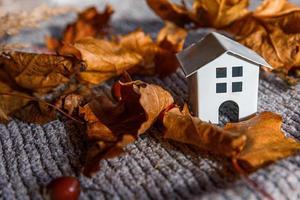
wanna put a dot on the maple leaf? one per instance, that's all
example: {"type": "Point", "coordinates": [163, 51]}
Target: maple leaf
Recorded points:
{"type": "Point", "coordinates": [112, 125]}
{"type": "Point", "coordinates": [274, 36]}
{"type": "Point", "coordinates": [37, 72]}
{"type": "Point", "coordinates": [253, 143]}
{"type": "Point", "coordinates": [220, 13]}
{"type": "Point", "coordinates": [89, 23]}
{"type": "Point", "coordinates": [9, 104]}
{"type": "Point", "coordinates": [135, 52]}
{"type": "Point", "coordinates": [178, 14]}
{"type": "Point", "coordinates": [182, 127]}
{"type": "Point", "coordinates": [212, 13]}
{"type": "Point", "coordinates": [265, 143]}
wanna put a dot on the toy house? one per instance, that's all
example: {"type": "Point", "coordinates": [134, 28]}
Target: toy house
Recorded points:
{"type": "Point", "coordinates": [222, 74]}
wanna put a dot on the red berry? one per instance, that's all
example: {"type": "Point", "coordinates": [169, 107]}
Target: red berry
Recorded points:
{"type": "Point", "coordinates": [116, 91]}
{"type": "Point", "coordinates": [64, 188]}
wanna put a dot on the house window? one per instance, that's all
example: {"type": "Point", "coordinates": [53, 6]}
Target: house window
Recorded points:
{"type": "Point", "coordinates": [237, 86]}
{"type": "Point", "coordinates": [237, 71]}
{"type": "Point", "coordinates": [221, 87]}
{"type": "Point", "coordinates": [221, 72]}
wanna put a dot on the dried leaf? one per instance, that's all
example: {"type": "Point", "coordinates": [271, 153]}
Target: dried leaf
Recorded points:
{"type": "Point", "coordinates": [37, 72]}
{"type": "Point", "coordinates": [112, 125]}
{"type": "Point", "coordinates": [276, 37]}
{"type": "Point", "coordinates": [220, 13]}
{"type": "Point", "coordinates": [89, 23]}
{"type": "Point", "coordinates": [35, 112]}
{"type": "Point", "coordinates": [170, 40]}
{"type": "Point", "coordinates": [178, 14]}
{"type": "Point", "coordinates": [182, 127]}
{"type": "Point", "coordinates": [213, 13]}
{"type": "Point", "coordinates": [266, 142]}
{"type": "Point", "coordinates": [10, 104]}
{"type": "Point", "coordinates": [136, 53]}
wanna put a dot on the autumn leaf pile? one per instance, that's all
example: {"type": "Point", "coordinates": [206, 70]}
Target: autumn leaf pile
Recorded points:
{"type": "Point", "coordinates": [272, 30]}
{"type": "Point", "coordinates": [36, 87]}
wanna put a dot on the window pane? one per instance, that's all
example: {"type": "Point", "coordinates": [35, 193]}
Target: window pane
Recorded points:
{"type": "Point", "coordinates": [237, 86]}
{"type": "Point", "coordinates": [221, 88]}
{"type": "Point", "coordinates": [237, 71]}
{"type": "Point", "coordinates": [221, 72]}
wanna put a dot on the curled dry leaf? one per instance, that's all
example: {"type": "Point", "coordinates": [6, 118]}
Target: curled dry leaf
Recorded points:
{"type": "Point", "coordinates": [89, 23]}
{"type": "Point", "coordinates": [178, 14]}
{"type": "Point", "coordinates": [170, 40]}
{"type": "Point", "coordinates": [37, 72]}
{"type": "Point", "coordinates": [265, 143]}
{"type": "Point", "coordinates": [220, 13]}
{"type": "Point", "coordinates": [253, 143]}
{"type": "Point", "coordinates": [182, 127]}
{"type": "Point", "coordinates": [111, 125]}
{"type": "Point", "coordinates": [136, 53]}
{"type": "Point", "coordinates": [276, 37]}
{"type": "Point", "coordinates": [9, 104]}
{"type": "Point", "coordinates": [213, 13]}
{"type": "Point", "coordinates": [272, 30]}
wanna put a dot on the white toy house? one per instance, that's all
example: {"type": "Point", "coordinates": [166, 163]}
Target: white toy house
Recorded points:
{"type": "Point", "coordinates": [221, 73]}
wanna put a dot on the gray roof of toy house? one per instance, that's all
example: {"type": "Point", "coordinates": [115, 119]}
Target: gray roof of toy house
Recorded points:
{"type": "Point", "coordinates": [212, 46]}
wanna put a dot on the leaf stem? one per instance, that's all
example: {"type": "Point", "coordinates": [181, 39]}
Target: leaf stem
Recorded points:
{"type": "Point", "coordinates": [42, 101]}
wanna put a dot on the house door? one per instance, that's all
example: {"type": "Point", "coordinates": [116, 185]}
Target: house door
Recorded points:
{"type": "Point", "coordinates": [228, 112]}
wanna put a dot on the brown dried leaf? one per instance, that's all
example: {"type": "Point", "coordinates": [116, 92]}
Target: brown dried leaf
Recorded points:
{"type": "Point", "coordinates": [213, 13]}
{"type": "Point", "coordinates": [266, 142]}
{"type": "Point", "coordinates": [89, 23]}
{"type": "Point", "coordinates": [9, 104]}
{"type": "Point", "coordinates": [182, 127]}
{"type": "Point", "coordinates": [178, 14]}
{"type": "Point", "coordinates": [111, 126]}
{"type": "Point", "coordinates": [220, 13]}
{"type": "Point", "coordinates": [274, 35]}
{"type": "Point", "coordinates": [35, 112]}
{"type": "Point", "coordinates": [37, 72]}
{"type": "Point", "coordinates": [170, 40]}
{"type": "Point", "coordinates": [136, 53]}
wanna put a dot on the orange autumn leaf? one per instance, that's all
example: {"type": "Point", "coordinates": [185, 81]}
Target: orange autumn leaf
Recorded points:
{"type": "Point", "coordinates": [178, 14]}
{"type": "Point", "coordinates": [253, 143]}
{"type": "Point", "coordinates": [213, 13]}
{"type": "Point", "coordinates": [274, 36]}
{"type": "Point", "coordinates": [135, 52]}
{"type": "Point", "coordinates": [182, 127]}
{"type": "Point", "coordinates": [110, 125]}
{"type": "Point", "coordinates": [265, 142]}
{"type": "Point", "coordinates": [89, 23]}
{"type": "Point", "coordinates": [220, 13]}
{"type": "Point", "coordinates": [170, 40]}
{"type": "Point", "coordinates": [10, 104]}
{"type": "Point", "coordinates": [37, 72]}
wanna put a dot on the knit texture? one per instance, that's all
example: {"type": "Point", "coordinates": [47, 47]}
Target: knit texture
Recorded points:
{"type": "Point", "coordinates": [31, 155]}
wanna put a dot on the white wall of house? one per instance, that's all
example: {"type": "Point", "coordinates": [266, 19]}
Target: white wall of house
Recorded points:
{"type": "Point", "coordinates": [209, 101]}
